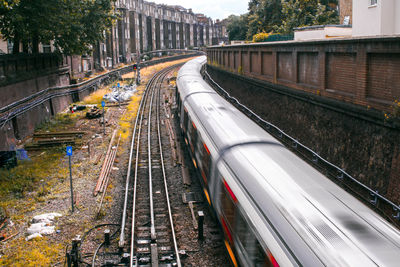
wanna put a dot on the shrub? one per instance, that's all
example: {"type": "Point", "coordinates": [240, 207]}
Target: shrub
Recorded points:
{"type": "Point", "coordinates": [260, 37]}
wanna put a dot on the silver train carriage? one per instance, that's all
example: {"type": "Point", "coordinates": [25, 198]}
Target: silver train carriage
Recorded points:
{"type": "Point", "coordinates": [274, 208]}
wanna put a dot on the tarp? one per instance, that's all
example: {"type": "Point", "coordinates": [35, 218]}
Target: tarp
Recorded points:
{"type": "Point", "coordinates": [120, 93]}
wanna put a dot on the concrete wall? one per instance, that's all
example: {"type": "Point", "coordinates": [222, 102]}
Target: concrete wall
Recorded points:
{"type": "Point", "coordinates": [360, 71]}
{"type": "Point", "coordinates": [323, 32]}
{"type": "Point", "coordinates": [397, 17]}
{"type": "Point", "coordinates": [24, 75]}
{"type": "Point", "coordinates": [19, 121]}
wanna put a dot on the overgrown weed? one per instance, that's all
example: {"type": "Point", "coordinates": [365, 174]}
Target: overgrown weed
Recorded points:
{"type": "Point", "coordinates": [38, 252]}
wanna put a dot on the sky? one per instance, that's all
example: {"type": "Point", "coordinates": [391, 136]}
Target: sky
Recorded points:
{"type": "Point", "coordinates": [216, 9]}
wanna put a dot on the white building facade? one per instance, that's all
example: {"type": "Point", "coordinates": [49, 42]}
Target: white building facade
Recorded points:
{"type": "Point", "coordinates": [376, 17]}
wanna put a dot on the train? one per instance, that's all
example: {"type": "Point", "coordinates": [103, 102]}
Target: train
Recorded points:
{"type": "Point", "coordinates": [274, 208]}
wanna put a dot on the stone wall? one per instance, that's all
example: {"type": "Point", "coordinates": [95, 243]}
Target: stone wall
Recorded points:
{"type": "Point", "coordinates": [355, 139]}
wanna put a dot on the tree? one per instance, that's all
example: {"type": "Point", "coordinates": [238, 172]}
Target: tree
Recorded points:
{"type": "Point", "coordinates": [237, 27]}
{"type": "Point", "coordinates": [300, 13]}
{"type": "Point", "coordinates": [82, 25]}
{"type": "Point", "coordinates": [73, 25]}
{"type": "Point", "coordinates": [263, 16]}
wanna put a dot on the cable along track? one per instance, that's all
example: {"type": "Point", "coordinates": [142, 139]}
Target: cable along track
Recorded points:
{"type": "Point", "coordinates": [147, 230]}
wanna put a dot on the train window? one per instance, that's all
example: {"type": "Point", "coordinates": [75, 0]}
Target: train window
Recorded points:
{"type": "Point", "coordinates": [178, 100]}
{"type": "Point", "coordinates": [253, 252]}
{"type": "Point", "coordinates": [185, 119]}
{"type": "Point", "coordinates": [192, 134]}
{"type": "Point", "coordinates": [228, 206]}
{"type": "Point", "coordinates": [205, 160]}
{"type": "Point", "coordinates": [203, 157]}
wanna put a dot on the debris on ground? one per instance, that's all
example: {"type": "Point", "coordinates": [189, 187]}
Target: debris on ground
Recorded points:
{"type": "Point", "coordinates": [120, 93]}
{"type": "Point", "coordinates": [7, 227]}
{"type": "Point", "coordinates": [47, 139]}
{"type": "Point", "coordinates": [74, 108]}
{"type": "Point", "coordinates": [42, 225]}
{"type": "Point", "coordinates": [22, 154]}
{"type": "Point", "coordinates": [93, 113]}
{"type": "Point", "coordinates": [43, 183]}
{"type": "Point", "coordinates": [46, 217]}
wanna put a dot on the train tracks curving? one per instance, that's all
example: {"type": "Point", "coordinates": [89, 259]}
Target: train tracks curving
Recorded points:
{"type": "Point", "coordinates": [147, 229]}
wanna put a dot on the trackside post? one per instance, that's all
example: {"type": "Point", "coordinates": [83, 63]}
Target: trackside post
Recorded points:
{"type": "Point", "coordinates": [69, 154]}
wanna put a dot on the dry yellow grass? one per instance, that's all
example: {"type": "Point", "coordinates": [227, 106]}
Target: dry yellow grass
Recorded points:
{"type": "Point", "coordinates": [153, 69]}
{"type": "Point", "coordinates": [126, 122]}
{"type": "Point", "coordinates": [44, 177]}
{"type": "Point", "coordinates": [97, 96]}
{"type": "Point", "coordinates": [41, 252]}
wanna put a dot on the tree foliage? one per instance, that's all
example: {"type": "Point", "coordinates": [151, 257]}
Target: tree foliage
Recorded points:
{"type": "Point", "coordinates": [282, 16]}
{"type": "Point", "coordinates": [237, 27]}
{"type": "Point", "coordinates": [73, 25]}
{"type": "Point", "coordinates": [300, 13]}
{"type": "Point", "coordinates": [263, 16]}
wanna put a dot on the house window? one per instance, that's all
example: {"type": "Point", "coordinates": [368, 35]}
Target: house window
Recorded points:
{"type": "Point", "coordinates": [373, 2]}
{"type": "Point", "coordinates": [46, 48]}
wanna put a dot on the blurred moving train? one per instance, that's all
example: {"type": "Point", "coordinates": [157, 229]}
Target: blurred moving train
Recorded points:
{"type": "Point", "coordinates": [274, 208]}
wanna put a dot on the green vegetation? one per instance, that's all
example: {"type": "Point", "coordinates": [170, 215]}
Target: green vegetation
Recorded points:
{"type": "Point", "coordinates": [73, 26]}
{"type": "Point", "coordinates": [41, 252]}
{"type": "Point", "coordinates": [396, 109]}
{"type": "Point", "coordinates": [43, 170]}
{"type": "Point", "coordinates": [237, 27]}
{"type": "Point", "coordinates": [302, 13]}
{"type": "Point", "coordinates": [280, 16]}
{"type": "Point", "coordinates": [27, 175]}
{"type": "Point", "coordinates": [260, 37]}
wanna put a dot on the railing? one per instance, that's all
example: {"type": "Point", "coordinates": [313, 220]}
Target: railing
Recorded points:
{"type": "Point", "coordinates": [378, 202]}
{"type": "Point", "coordinates": [279, 37]}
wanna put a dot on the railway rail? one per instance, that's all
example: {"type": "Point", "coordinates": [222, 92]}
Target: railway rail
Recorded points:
{"type": "Point", "coordinates": [147, 229]}
{"type": "Point", "coordinates": [158, 219]}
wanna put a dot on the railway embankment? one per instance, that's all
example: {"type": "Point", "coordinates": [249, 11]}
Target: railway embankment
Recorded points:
{"type": "Point", "coordinates": [40, 184]}
{"type": "Point", "coordinates": [30, 98]}
{"type": "Point", "coordinates": [360, 140]}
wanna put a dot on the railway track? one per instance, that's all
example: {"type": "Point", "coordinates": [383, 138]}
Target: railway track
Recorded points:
{"type": "Point", "coordinates": [147, 235]}
{"type": "Point", "coordinates": [147, 230]}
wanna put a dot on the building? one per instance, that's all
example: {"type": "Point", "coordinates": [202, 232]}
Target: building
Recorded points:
{"type": "Point", "coordinates": [220, 34]}
{"type": "Point", "coordinates": [146, 26]}
{"type": "Point", "coordinates": [358, 18]}
{"type": "Point", "coordinates": [345, 12]}
{"type": "Point", "coordinates": [376, 17]}
{"type": "Point", "coordinates": [142, 27]}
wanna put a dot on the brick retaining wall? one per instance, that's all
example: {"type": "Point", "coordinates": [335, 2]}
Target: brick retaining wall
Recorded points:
{"type": "Point", "coordinates": [363, 71]}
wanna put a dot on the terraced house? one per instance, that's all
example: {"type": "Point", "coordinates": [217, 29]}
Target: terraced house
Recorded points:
{"type": "Point", "coordinates": [146, 26]}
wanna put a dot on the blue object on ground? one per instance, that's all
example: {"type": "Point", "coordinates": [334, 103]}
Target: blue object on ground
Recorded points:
{"type": "Point", "coordinates": [22, 154]}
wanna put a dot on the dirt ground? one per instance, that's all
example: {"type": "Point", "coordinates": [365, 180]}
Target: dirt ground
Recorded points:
{"type": "Point", "coordinates": [41, 184]}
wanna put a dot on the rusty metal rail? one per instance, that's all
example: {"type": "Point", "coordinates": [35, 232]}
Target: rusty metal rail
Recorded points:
{"type": "Point", "coordinates": [152, 91]}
